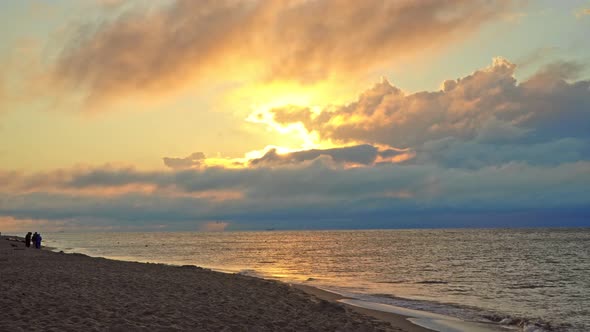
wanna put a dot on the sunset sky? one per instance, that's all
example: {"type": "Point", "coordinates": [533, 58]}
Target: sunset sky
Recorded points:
{"type": "Point", "coordinates": [296, 114]}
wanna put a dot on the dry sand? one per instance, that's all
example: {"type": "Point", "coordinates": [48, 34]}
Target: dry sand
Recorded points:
{"type": "Point", "coordinates": [45, 291]}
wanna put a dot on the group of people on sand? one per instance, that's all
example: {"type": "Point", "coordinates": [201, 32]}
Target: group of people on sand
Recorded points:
{"type": "Point", "coordinates": [35, 238]}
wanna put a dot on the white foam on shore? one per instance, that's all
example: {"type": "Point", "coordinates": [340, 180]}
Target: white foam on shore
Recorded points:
{"type": "Point", "coordinates": [429, 320]}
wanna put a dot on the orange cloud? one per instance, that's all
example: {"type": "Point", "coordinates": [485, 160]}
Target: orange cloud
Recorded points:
{"type": "Point", "coordinates": [13, 225]}
{"type": "Point", "coordinates": [65, 182]}
{"type": "Point", "coordinates": [401, 194]}
{"type": "Point", "coordinates": [212, 195]}
{"type": "Point", "coordinates": [164, 48]}
{"type": "Point", "coordinates": [103, 191]}
{"type": "Point", "coordinates": [3, 93]}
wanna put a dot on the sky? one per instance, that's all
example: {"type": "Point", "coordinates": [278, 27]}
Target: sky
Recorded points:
{"type": "Point", "coordinates": [298, 114]}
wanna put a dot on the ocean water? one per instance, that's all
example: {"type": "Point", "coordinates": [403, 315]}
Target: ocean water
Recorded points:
{"type": "Point", "coordinates": [524, 279]}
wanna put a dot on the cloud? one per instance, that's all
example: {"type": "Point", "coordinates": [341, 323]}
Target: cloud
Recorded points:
{"type": "Point", "coordinates": [16, 225]}
{"type": "Point", "coordinates": [487, 107]}
{"type": "Point", "coordinates": [3, 93]}
{"type": "Point", "coordinates": [476, 154]}
{"type": "Point", "coordinates": [559, 70]}
{"type": "Point", "coordinates": [110, 3]}
{"type": "Point", "coordinates": [309, 194]}
{"type": "Point", "coordinates": [10, 224]}
{"type": "Point", "coordinates": [484, 146]}
{"type": "Point", "coordinates": [537, 56]}
{"type": "Point", "coordinates": [157, 48]}
{"type": "Point", "coordinates": [354, 155]}
{"type": "Point", "coordinates": [582, 12]}
{"type": "Point", "coordinates": [194, 160]}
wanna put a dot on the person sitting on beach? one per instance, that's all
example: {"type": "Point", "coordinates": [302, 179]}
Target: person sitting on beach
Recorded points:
{"type": "Point", "coordinates": [38, 241]}
{"type": "Point", "coordinates": [28, 239]}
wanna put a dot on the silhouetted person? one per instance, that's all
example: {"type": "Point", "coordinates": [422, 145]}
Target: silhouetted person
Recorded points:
{"type": "Point", "coordinates": [28, 239]}
{"type": "Point", "coordinates": [35, 239]}
{"type": "Point", "coordinates": [38, 241]}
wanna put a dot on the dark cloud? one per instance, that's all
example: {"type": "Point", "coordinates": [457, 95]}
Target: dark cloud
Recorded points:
{"type": "Point", "coordinates": [313, 191]}
{"type": "Point", "coordinates": [475, 154]}
{"type": "Point", "coordinates": [194, 160]}
{"type": "Point", "coordinates": [359, 154]}
{"type": "Point", "coordinates": [158, 48]}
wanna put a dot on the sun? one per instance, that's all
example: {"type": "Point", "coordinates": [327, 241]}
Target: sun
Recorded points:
{"type": "Point", "coordinates": [264, 98]}
{"type": "Point", "coordinates": [254, 101]}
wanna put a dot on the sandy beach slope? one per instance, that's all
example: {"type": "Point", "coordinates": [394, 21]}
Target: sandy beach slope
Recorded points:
{"type": "Point", "coordinates": [46, 291]}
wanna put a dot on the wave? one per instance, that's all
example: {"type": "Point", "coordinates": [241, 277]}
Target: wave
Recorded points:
{"type": "Point", "coordinates": [250, 273]}
{"type": "Point", "coordinates": [531, 286]}
{"type": "Point", "coordinates": [527, 324]}
{"type": "Point", "coordinates": [468, 313]}
{"type": "Point", "coordinates": [392, 282]}
{"type": "Point", "coordinates": [433, 282]}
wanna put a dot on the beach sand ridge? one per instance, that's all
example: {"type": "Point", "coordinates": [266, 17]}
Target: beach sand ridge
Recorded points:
{"type": "Point", "coordinates": [47, 291]}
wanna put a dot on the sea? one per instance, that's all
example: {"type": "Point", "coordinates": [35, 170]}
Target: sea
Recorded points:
{"type": "Point", "coordinates": [509, 279]}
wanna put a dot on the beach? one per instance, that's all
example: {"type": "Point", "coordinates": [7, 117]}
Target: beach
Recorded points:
{"type": "Point", "coordinates": [43, 290]}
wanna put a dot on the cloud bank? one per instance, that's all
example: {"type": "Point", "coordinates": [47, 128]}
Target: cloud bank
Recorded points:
{"type": "Point", "coordinates": [157, 48]}
{"type": "Point", "coordinates": [364, 154]}
{"type": "Point", "coordinates": [313, 195]}
{"type": "Point", "coordinates": [484, 150]}
{"type": "Point", "coordinates": [487, 116]}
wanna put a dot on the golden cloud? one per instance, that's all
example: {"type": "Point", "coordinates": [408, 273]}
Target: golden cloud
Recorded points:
{"type": "Point", "coordinates": [488, 105]}
{"type": "Point", "coordinates": [582, 12]}
{"type": "Point", "coordinates": [159, 49]}
{"type": "Point", "coordinates": [11, 224]}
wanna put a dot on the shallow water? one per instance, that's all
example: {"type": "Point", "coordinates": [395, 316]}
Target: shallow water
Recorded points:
{"type": "Point", "coordinates": [518, 276]}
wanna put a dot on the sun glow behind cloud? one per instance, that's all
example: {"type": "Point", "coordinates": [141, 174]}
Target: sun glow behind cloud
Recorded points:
{"type": "Point", "coordinates": [302, 139]}
{"type": "Point", "coordinates": [266, 96]}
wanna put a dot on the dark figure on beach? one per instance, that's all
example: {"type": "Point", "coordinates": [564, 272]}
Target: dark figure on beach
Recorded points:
{"type": "Point", "coordinates": [35, 236]}
{"type": "Point", "coordinates": [28, 239]}
{"type": "Point", "coordinates": [38, 241]}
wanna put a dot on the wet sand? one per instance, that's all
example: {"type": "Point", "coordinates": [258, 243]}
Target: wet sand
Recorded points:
{"type": "Point", "coordinates": [46, 291]}
{"type": "Point", "coordinates": [397, 320]}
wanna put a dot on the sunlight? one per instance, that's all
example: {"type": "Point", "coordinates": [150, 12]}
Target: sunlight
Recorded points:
{"type": "Point", "coordinates": [265, 96]}
{"type": "Point", "coordinates": [277, 98]}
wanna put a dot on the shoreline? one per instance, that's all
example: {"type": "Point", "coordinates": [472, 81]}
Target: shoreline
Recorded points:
{"type": "Point", "coordinates": [404, 319]}
{"type": "Point", "coordinates": [45, 290]}
{"type": "Point", "coordinates": [401, 321]}
{"type": "Point", "coordinates": [396, 320]}
{"type": "Point", "coordinates": [409, 320]}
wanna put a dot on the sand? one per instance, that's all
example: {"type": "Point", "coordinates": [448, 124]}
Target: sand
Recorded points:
{"type": "Point", "coordinates": [42, 290]}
